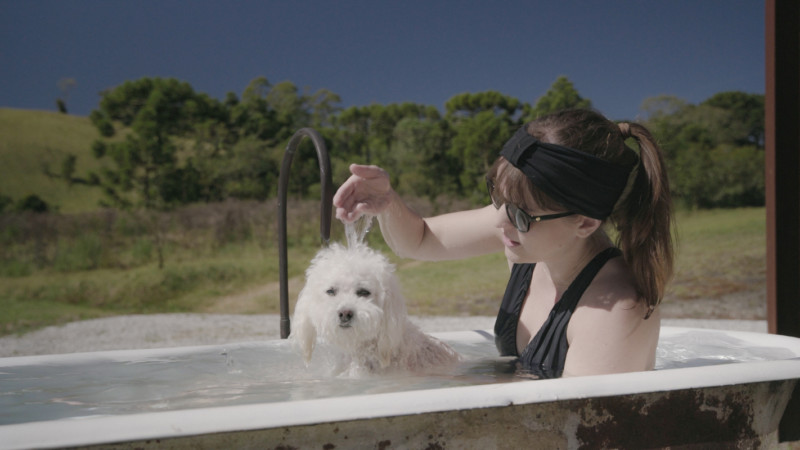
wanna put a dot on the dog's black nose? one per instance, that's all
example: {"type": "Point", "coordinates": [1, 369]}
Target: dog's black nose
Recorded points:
{"type": "Point", "coordinates": [345, 316]}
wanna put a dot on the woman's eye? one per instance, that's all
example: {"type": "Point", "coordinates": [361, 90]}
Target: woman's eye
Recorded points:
{"type": "Point", "coordinates": [363, 293]}
{"type": "Point", "coordinates": [331, 292]}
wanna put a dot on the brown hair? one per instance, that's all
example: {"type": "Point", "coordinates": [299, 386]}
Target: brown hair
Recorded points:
{"type": "Point", "coordinates": [642, 216]}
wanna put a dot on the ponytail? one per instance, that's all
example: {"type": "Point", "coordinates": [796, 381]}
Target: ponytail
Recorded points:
{"type": "Point", "coordinates": [643, 213]}
{"type": "Point", "coordinates": [643, 219]}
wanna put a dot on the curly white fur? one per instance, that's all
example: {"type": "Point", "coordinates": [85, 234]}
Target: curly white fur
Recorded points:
{"type": "Point", "coordinates": [352, 301]}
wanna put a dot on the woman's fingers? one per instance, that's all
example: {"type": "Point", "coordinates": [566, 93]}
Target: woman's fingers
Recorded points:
{"type": "Point", "coordinates": [365, 192]}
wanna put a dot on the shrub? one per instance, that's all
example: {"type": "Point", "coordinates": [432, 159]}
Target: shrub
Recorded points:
{"type": "Point", "coordinates": [84, 253]}
{"type": "Point", "coordinates": [32, 203]}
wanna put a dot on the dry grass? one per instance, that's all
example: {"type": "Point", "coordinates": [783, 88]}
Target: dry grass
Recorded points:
{"type": "Point", "coordinates": [720, 273]}
{"type": "Point", "coordinates": [223, 258]}
{"type": "Point", "coordinates": [721, 265]}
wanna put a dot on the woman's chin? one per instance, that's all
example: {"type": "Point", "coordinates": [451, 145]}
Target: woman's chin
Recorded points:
{"type": "Point", "coordinates": [513, 256]}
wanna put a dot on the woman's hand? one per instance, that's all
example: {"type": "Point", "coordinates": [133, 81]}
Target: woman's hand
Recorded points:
{"type": "Point", "coordinates": [367, 191]}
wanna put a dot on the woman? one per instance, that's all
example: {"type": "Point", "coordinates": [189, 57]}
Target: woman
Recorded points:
{"type": "Point", "coordinates": [575, 304]}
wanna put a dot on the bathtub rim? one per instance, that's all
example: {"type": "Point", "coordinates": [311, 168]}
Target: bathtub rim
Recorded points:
{"type": "Point", "coordinates": [468, 336]}
{"type": "Point", "coordinates": [238, 418]}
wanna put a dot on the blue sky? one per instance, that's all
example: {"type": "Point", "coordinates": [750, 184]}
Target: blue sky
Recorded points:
{"type": "Point", "coordinates": [616, 52]}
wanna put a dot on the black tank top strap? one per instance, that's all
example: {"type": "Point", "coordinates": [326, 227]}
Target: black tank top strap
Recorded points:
{"type": "Point", "coordinates": [573, 294]}
{"type": "Point", "coordinates": [505, 327]}
{"type": "Point", "coordinates": [546, 353]}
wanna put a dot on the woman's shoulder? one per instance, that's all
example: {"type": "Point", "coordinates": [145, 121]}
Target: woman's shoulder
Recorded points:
{"type": "Point", "coordinates": [611, 301]}
{"type": "Point", "coordinates": [608, 331]}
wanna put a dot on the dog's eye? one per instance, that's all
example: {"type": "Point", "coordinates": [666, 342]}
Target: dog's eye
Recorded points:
{"type": "Point", "coordinates": [363, 292]}
{"type": "Point", "coordinates": [331, 292]}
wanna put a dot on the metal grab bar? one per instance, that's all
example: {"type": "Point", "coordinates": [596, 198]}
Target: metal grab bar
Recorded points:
{"type": "Point", "coordinates": [326, 207]}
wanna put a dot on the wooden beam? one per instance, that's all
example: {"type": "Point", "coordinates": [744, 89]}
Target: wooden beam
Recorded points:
{"type": "Point", "coordinates": [782, 139]}
{"type": "Point", "coordinates": [783, 165]}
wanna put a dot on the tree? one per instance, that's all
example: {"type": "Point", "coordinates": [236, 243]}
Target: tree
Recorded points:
{"type": "Point", "coordinates": [481, 123]}
{"type": "Point", "coordinates": [290, 108]}
{"type": "Point", "coordinates": [661, 106]}
{"type": "Point", "coordinates": [65, 85]}
{"type": "Point", "coordinates": [250, 171]}
{"type": "Point", "coordinates": [424, 166]}
{"type": "Point", "coordinates": [746, 116]}
{"type": "Point", "coordinates": [324, 105]}
{"type": "Point", "coordinates": [32, 203]}
{"type": "Point", "coordinates": [469, 105]}
{"type": "Point", "coordinates": [712, 149]}
{"type": "Point", "coordinates": [252, 116]}
{"type": "Point", "coordinates": [561, 95]}
{"type": "Point", "coordinates": [156, 112]}
{"type": "Point", "coordinates": [353, 126]}
{"type": "Point", "coordinates": [476, 142]}
{"type": "Point", "coordinates": [67, 171]}
{"type": "Point", "coordinates": [145, 171]}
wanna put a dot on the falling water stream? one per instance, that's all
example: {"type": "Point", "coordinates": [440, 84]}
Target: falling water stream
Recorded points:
{"type": "Point", "coordinates": [356, 232]}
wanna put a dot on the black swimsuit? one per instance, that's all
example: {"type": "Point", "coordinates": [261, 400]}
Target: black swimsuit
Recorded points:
{"type": "Point", "coordinates": [546, 353]}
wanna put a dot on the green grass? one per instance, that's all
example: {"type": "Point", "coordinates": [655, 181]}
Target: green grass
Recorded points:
{"type": "Point", "coordinates": [184, 285]}
{"type": "Point", "coordinates": [719, 252]}
{"type": "Point", "coordinates": [29, 139]}
{"type": "Point", "coordinates": [473, 286]}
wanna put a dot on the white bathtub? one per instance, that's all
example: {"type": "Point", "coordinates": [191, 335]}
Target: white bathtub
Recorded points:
{"type": "Point", "coordinates": [231, 397]}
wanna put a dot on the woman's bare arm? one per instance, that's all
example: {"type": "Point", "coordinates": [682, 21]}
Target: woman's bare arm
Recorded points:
{"type": "Point", "coordinates": [449, 236]}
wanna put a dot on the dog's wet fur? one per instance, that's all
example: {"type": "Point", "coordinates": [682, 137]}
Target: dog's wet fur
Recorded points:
{"type": "Point", "coordinates": [352, 301]}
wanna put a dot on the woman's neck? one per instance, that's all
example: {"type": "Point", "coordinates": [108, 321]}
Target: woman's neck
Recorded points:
{"type": "Point", "coordinates": [563, 270]}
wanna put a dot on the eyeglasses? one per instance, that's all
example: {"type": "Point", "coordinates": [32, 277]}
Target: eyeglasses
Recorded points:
{"type": "Point", "coordinates": [518, 217]}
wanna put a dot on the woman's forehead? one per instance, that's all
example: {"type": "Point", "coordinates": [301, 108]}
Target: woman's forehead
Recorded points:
{"type": "Point", "coordinates": [510, 187]}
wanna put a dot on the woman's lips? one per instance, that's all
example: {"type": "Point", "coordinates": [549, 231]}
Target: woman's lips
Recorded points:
{"type": "Point", "coordinates": [508, 242]}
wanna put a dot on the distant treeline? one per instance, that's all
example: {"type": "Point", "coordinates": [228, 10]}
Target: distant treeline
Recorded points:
{"type": "Point", "coordinates": [164, 144]}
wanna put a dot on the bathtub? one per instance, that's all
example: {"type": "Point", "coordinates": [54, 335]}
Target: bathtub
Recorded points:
{"type": "Point", "coordinates": [711, 387]}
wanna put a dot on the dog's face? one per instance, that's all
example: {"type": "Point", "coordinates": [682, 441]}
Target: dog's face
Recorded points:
{"type": "Point", "coordinates": [350, 300]}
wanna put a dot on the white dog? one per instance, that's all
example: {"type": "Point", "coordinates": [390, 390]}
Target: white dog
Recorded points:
{"type": "Point", "coordinates": [352, 301]}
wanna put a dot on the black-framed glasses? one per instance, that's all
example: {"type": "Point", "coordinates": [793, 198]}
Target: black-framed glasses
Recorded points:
{"type": "Point", "coordinates": [518, 217]}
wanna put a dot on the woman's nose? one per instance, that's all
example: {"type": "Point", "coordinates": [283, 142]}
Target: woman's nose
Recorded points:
{"type": "Point", "coordinates": [501, 217]}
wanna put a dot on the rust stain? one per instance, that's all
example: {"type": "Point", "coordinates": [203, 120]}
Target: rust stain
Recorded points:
{"type": "Point", "coordinates": [683, 417]}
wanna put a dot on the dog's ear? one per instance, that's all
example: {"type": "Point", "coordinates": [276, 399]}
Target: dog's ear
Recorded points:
{"type": "Point", "coordinates": [394, 318]}
{"type": "Point", "coordinates": [304, 331]}
{"type": "Point", "coordinates": [303, 334]}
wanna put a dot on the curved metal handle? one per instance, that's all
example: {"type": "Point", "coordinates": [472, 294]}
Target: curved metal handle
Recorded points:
{"type": "Point", "coordinates": [326, 208]}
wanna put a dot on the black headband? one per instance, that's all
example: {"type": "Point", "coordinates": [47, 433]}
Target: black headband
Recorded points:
{"type": "Point", "coordinates": [581, 182]}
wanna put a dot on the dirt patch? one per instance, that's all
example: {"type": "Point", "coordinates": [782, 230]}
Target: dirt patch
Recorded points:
{"type": "Point", "coordinates": [264, 299]}
{"type": "Point", "coordinates": [742, 305]}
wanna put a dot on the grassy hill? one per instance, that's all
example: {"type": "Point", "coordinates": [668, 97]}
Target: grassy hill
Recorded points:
{"type": "Point", "coordinates": [29, 139]}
